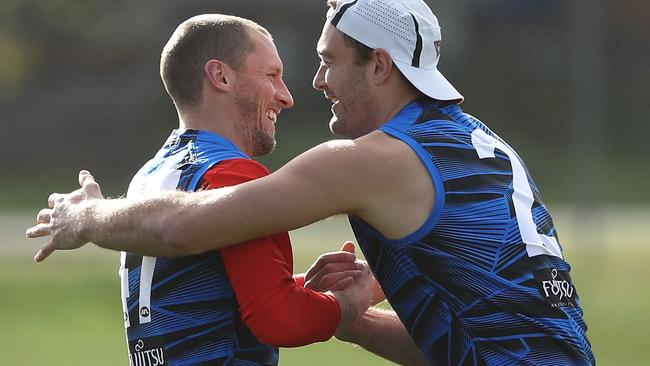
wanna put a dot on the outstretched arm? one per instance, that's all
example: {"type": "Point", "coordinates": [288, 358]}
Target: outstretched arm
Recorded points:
{"type": "Point", "coordinates": [370, 177]}
{"type": "Point", "coordinates": [324, 181]}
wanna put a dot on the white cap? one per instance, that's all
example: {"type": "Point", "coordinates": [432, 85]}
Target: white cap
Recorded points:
{"type": "Point", "coordinates": [408, 30]}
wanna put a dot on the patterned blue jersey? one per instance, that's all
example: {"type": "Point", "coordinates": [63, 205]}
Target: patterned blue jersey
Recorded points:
{"type": "Point", "coordinates": [183, 311]}
{"type": "Point", "coordinates": [483, 281]}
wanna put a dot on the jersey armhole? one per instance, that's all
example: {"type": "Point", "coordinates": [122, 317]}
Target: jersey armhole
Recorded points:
{"type": "Point", "coordinates": [436, 210]}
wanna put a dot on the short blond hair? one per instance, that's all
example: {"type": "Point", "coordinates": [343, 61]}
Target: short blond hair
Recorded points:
{"type": "Point", "coordinates": [198, 40]}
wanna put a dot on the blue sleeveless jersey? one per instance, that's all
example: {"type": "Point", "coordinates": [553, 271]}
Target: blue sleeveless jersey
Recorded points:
{"type": "Point", "coordinates": [483, 281]}
{"type": "Point", "coordinates": [183, 311]}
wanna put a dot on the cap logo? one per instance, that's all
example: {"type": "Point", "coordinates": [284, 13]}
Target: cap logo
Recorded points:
{"type": "Point", "coordinates": [417, 52]}
{"type": "Point", "coordinates": [437, 45]}
{"type": "Point", "coordinates": [337, 18]}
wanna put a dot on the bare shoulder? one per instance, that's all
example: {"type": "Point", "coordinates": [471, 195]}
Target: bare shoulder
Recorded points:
{"type": "Point", "coordinates": [373, 150]}
{"type": "Point", "coordinates": [373, 158]}
{"type": "Point", "coordinates": [376, 177]}
{"type": "Point", "coordinates": [405, 195]}
{"type": "Point", "coordinates": [383, 146]}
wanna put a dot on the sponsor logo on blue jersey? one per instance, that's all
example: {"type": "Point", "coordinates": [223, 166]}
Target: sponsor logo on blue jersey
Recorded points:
{"type": "Point", "coordinates": [556, 287]}
{"type": "Point", "coordinates": [147, 352]}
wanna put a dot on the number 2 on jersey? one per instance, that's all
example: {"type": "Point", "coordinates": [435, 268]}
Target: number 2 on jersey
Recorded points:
{"type": "Point", "coordinates": [522, 196]}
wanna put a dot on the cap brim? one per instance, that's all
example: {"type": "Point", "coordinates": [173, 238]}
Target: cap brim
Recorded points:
{"type": "Point", "coordinates": [429, 82]}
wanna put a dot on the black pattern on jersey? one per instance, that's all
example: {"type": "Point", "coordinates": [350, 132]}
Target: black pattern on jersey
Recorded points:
{"type": "Point", "coordinates": [467, 290]}
{"type": "Point", "coordinates": [195, 318]}
{"type": "Point", "coordinates": [195, 315]}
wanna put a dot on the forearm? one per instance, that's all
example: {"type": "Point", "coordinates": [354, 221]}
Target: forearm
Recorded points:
{"type": "Point", "coordinates": [382, 333]}
{"type": "Point", "coordinates": [269, 298]}
{"type": "Point", "coordinates": [180, 223]}
{"type": "Point", "coordinates": [304, 316]}
{"type": "Point", "coordinates": [143, 226]}
{"type": "Point", "coordinates": [298, 194]}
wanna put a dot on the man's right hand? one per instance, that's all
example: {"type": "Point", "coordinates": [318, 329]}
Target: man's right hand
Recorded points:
{"type": "Point", "coordinates": [350, 280]}
{"type": "Point", "coordinates": [356, 298]}
{"type": "Point", "coordinates": [63, 218]}
{"type": "Point", "coordinates": [337, 270]}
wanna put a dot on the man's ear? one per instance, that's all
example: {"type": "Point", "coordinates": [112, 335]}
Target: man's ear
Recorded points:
{"type": "Point", "coordinates": [219, 75]}
{"type": "Point", "coordinates": [382, 65]}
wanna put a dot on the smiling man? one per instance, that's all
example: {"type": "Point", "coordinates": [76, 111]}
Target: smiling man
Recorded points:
{"type": "Point", "coordinates": [236, 305]}
{"type": "Point", "coordinates": [446, 213]}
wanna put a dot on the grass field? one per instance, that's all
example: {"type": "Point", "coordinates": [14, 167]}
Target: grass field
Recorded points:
{"type": "Point", "coordinates": [66, 311]}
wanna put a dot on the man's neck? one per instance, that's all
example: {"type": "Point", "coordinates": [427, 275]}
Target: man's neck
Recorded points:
{"type": "Point", "coordinates": [395, 108]}
{"type": "Point", "coordinates": [392, 97]}
{"type": "Point", "coordinates": [389, 107]}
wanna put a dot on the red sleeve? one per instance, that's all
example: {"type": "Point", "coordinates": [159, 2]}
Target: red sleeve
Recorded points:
{"type": "Point", "coordinates": [300, 279]}
{"type": "Point", "coordinates": [279, 311]}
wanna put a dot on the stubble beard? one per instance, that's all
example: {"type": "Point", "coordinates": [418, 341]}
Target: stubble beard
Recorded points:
{"type": "Point", "coordinates": [261, 142]}
{"type": "Point", "coordinates": [348, 121]}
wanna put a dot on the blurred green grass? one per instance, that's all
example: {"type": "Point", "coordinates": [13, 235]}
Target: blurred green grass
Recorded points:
{"type": "Point", "coordinates": [66, 311]}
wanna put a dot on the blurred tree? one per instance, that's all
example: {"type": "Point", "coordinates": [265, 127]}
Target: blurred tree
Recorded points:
{"type": "Point", "coordinates": [79, 85]}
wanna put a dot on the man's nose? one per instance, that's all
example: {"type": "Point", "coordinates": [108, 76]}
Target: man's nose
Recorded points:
{"type": "Point", "coordinates": [319, 79]}
{"type": "Point", "coordinates": [284, 96]}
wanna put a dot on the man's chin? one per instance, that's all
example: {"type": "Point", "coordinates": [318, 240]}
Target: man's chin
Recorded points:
{"type": "Point", "coordinates": [337, 127]}
{"type": "Point", "coordinates": [263, 144]}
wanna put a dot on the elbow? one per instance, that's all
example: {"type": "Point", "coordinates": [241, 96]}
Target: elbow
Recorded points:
{"type": "Point", "coordinates": [277, 338]}
{"type": "Point", "coordinates": [280, 332]}
{"type": "Point", "coordinates": [269, 329]}
{"type": "Point", "coordinates": [271, 338]}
